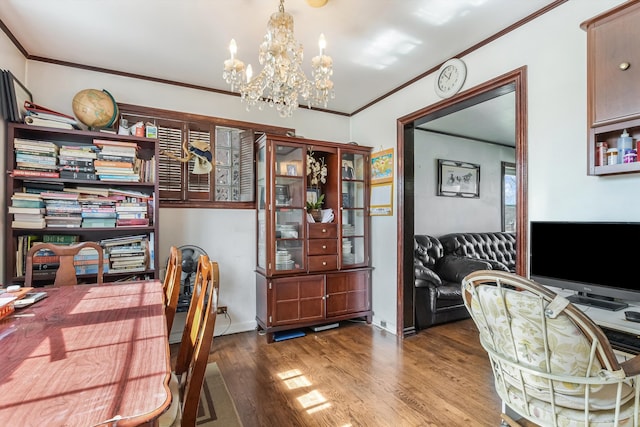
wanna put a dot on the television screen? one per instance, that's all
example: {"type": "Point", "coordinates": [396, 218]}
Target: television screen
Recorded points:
{"type": "Point", "coordinates": [597, 259]}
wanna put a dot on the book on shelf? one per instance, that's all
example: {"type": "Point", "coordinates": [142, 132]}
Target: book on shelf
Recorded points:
{"type": "Point", "coordinates": [96, 191]}
{"type": "Point", "coordinates": [59, 195]}
{"type": "Point", "coordinates": [19, 210]}
{"type": "Point", "coordinates": [61, 239]}
{"type": "Point", "coordinates": [123, 240]}
{"type": "Point", "coordinates": [26, 203]}
{"type": "Point", "coordinates": [36, 108]}
{"type": "Point", "coordinates": [35, 145]}
{"type": "Point", "coordinates": [98, 222]}
{"type": "Point", "coordinates": [27, 217]}
{"type": "Point", "coordinates": [72, 161]}
{"type": "Point", "coordinates": [37, 187]}
{"type": "Point", "coordinates": [112, 164]}
{"type": "Point", "coordinates": [78, 152]}
{"type": "Point", "coordinates": [69, 168]}
{"type": "Point", "coordinates": [132, 222]}
{"type": "Point", "coordinates": [45, 266]}
{"type": "Point", "coordinates": [35, 173]}
{"type": "Point", "coordinates": [116, 158]}
{"type": "Point", "coordinates": [113, 143]}
{"type": "Point", "coordinates": [87, 176]}
{"type": "Point", "coordinates": [28, 224]}
{"type": "Point", "coordinates": [41, 121]}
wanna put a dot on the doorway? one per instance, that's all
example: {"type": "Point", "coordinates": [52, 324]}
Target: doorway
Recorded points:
{"type": "Point", "coordinates": [513, 81]}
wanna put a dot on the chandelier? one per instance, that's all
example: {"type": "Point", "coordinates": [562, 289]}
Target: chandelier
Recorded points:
{"type": "Point", "coordinates": [281, 82]}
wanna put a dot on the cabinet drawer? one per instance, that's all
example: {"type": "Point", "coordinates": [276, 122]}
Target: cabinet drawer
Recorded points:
{"type": "Point", "coordinates": [323, 247]}
{"type": "Point", "coordinates": [323, 231]}
{"type": "Point", "coordinates": [323, 262]}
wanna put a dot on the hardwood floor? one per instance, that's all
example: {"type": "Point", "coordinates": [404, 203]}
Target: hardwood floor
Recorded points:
{"type": "Point", "coordinates": [360, 375]}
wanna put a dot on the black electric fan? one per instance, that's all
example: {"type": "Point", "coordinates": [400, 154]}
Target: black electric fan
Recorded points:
{"type": "Point", "coordinates": [190, 256]}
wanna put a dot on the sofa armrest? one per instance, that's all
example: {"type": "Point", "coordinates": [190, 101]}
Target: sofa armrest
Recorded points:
{"type": "Point", "coordinates": [424, 276]}
{"type": "Point", "coordinates": [455, 268]}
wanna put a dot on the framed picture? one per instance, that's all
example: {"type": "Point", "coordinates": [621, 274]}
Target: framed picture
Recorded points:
{"type": "Point", "coordinates": [19, 94]}
{"type": "Point", "coordinates": [291, 170]}
{"type": "Point", "coordinates": [347, 170]}
{"type": "Point", "coordinates": [458, 179]}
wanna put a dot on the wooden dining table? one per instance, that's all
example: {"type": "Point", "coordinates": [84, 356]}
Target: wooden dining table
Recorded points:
{"type": "Point", "coordinates": [86, 355]}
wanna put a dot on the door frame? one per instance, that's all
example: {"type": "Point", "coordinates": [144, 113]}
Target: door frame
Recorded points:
{"type": "Point", "coordinates": [513, 80]}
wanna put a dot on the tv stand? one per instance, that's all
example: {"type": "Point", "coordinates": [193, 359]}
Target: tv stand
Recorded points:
{"type": "Point", "coordinates": [597, 302]}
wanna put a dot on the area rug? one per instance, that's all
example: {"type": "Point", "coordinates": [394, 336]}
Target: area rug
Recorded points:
{"type": "Point", "coordinates": [216, 406]}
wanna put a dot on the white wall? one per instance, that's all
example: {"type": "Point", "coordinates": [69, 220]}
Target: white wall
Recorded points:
{"type": "Point", "coordinates": [438, 215]}
{"type": "Point", "coordinates": [553, 47]}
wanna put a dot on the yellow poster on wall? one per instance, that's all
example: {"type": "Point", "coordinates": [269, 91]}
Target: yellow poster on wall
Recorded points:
{"type": "Point", "coordinates": [382, 166]}
{"type": "Point", "coordinates": [382, 183]}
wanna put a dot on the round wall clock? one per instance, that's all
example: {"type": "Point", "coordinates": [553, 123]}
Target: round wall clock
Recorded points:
{"type": "Point", "coordinates": [450, 78]}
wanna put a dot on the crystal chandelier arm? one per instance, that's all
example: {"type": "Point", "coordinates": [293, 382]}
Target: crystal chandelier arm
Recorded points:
{"type": "Point", "coordinates": [282, 81]}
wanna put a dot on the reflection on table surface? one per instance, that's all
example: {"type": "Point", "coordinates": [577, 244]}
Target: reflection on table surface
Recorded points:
{"type": "Point", "coordinates": [84, 355]}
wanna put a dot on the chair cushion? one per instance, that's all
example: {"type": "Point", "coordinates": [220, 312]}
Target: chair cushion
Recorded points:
{"type": "Point", "coordinates": [569, 348]}
{"type": "Point", "coordinates": [172, 417]}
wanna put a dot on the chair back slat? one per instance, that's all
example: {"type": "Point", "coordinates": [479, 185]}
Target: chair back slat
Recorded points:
{"type": "Point", "coordinates": [171, 286]}
{"type": "Point", "coordinates": [66, 272]}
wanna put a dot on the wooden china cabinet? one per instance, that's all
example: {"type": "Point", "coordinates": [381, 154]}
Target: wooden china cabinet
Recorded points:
{"type": "Point", "coordinates": [311, 273]}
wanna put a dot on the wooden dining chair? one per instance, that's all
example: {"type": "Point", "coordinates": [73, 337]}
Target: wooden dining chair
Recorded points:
{"type": "Point", "coordinates": [188, 377]}
{"type": "Point", "coordinates": [66, 272]}
{"type": "Point", "coordinates": [171, 286]}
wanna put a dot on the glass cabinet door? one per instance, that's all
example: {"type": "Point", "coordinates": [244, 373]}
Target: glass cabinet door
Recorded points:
{"type": "Point", "coordinates": [261, 191]}
{"type": "Point", "coordinates": [353, 209]}
{"type": "Point", "coordinates": [288, 199]}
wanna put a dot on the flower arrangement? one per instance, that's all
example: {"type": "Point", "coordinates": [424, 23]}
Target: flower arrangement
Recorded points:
{"type": "Point", "coordinates": [316, 170]}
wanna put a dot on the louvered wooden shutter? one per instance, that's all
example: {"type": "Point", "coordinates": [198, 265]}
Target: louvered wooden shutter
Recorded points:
{"type": "Point", "coordinates": [198, 185]}
{"type": "Point", "coordinates": [169, 170]}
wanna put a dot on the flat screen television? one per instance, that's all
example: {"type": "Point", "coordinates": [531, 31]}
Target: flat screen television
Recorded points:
{"type": "Point", "coordinates": [599, 260]}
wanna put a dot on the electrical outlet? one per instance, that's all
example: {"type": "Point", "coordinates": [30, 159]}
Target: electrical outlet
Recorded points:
{"type": "Point", "coordinates": [222, 309]}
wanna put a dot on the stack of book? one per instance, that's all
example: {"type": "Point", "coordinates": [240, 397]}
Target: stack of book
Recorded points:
{"type": "Point", "coordinates": [116, 161]}
{"type": "Point", "coordinates": [28, 210]}
{"type": "Point", "coordinates": [35, 158]}
{"type": "Point", "coordinates": [86, 261]}
{"type": "Point", "coordinates": [127, 254]}
{"type": "Point", "coordinates": [76, 162]}
{"type": "Point", "coordinates": [132, 214]}
{"type": "Point", "coordinates": [37, 115]}
{"type": "Point", "coordinates": [62, 209]}
{"type": "Point", "coordinates": [98, 212]}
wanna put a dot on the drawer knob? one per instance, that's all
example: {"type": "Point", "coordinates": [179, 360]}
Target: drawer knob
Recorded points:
{"type": "Point", "coordinates": [624, 66]}
{"type": "Point", "coordinates": [324, 246]}
{"type": "Point", "coordinates": [324, 230]}
{"type": "Point", "coordinates": [324, 262]}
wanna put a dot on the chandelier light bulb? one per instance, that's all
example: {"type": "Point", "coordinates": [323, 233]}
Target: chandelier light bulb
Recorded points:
{"type": "Point", "coordinates": [233, 48]}
{"type": "Point", "coordinates": [281, 81]}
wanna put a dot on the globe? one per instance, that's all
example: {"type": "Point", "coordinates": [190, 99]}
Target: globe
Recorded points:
{"type": "Point", "coordinates": [95, 108]}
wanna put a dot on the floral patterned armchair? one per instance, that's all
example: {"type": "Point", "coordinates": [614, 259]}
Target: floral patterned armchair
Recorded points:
{"type": "Point", "coordinates": [552, 365]}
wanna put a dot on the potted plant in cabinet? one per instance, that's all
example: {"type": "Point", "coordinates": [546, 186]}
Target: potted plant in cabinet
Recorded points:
{"type": "Point", "coordinates": [317, 175]}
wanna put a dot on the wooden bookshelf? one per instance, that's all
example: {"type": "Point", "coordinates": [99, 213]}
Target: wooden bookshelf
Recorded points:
{"type": "Point", "coordinates": [144, 191]}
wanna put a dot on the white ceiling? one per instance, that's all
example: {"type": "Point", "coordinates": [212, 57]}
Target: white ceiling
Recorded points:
{"type": "Point", "coordinates": [376, 45]}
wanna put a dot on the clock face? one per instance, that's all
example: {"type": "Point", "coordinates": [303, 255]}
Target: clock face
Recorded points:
{"type": "Point", "coordinates": [450, 78]}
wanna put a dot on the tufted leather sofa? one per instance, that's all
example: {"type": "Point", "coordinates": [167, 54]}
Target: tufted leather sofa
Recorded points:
{"type": "Point", "coordinates": [497, 248]}
{"type": "Point", "coordinates": [440, 264]}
